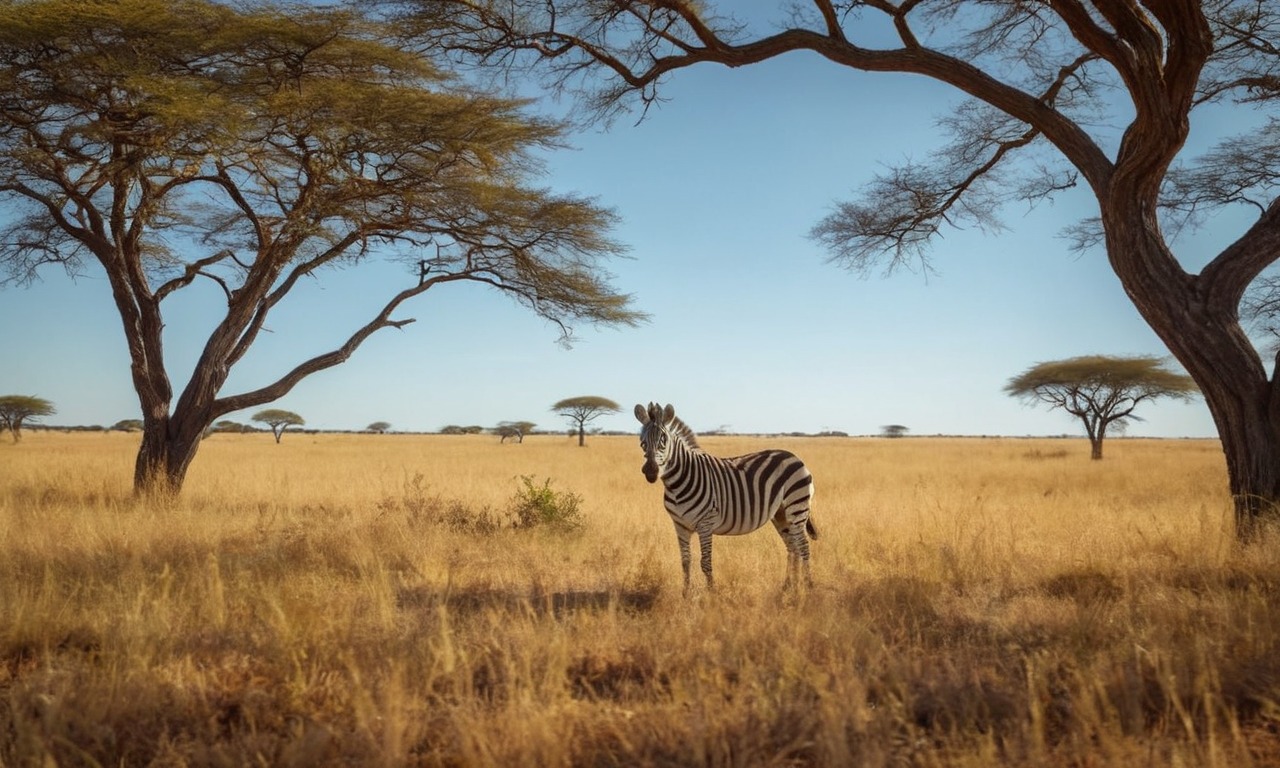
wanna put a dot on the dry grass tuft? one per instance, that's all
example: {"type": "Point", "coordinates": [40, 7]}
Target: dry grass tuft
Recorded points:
{"type": "Point", "coordinates": [450, 601]}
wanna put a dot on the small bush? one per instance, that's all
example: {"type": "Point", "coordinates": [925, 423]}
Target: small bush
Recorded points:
{"type": "Point", "coordinates": [539, 505]}
{"type": "Point", "coordinates": [532, 506]}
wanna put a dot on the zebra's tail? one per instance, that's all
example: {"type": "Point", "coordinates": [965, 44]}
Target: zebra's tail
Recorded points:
{"type": "Point", "coordinates": [812, 531]}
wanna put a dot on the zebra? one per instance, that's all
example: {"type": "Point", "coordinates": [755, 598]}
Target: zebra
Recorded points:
{"type": "Point", "coordinates": [709, 495]}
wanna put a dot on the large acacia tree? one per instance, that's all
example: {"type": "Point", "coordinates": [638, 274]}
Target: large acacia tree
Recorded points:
{"type": "Point", "coordinates": [174, 146]}
{"type": "Point", "coordinates": [1061, 92]}
{"type": "Point", "coordinates": [1101, 390]}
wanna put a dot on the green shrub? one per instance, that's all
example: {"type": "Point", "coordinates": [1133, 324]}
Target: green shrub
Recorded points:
{"type": "Point", "coordinates": [535, 506]}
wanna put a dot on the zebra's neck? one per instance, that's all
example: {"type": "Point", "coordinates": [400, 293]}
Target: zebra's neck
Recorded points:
{"type": "Point", "coordinates": [683, 433]}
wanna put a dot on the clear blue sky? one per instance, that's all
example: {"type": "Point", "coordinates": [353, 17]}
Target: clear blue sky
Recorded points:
{"type": "Point", "coordinates": [751, 330]}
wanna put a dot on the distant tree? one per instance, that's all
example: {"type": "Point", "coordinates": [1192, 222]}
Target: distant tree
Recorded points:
{"type": "Point", "coordinates": [127, 425]}
{"type": "Point", "coordinates": [513, 429]}
{"type": "Point", "coordinates": [1100, 390]}
{"type": "Point", "coordinates": [255, 147]}
{"type": "Point", "coordinates": [894, 430]}
{"type": "Point", "coordinates": [16, 409]}
{"type": "Point", "coordinates": [581, 410]}
{"type": "Point", "coordinates": [378, 426]}
{"type": "Point", "coordinates": [454, 429]}
{"type": "Point", "coordinates": [278, 420]}
{"type": "Point", "coordinates": [226, 425]}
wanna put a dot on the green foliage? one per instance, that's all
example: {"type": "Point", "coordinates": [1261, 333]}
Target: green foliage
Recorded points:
{"type": "Point", "coordinates": [378, 426]}
{"type": "Point", "coordinates": [531, 507]}
{"type": "Point", "coordinates": [127, 425]}
{"type": "Point", "coordinates": [536, 506]}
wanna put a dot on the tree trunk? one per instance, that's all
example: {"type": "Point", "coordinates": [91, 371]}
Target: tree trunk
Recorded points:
{"type": "Point", "coordinates": [1095, 448]}
{"type": "Point", "coordinates": [582, 434]}
{"type": "Point", "coordinates": [164, 457]}
{"type": "Point", "coordinates": [1197, 318]}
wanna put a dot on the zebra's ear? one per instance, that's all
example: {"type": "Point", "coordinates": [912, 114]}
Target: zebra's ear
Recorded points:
{"type": "Point", "coordinates": [641, 414]}
{"type": "Point", "coordinates": [668, 414]}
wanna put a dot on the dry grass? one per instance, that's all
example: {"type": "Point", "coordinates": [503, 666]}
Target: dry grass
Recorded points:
{"type": "Point", "coordinates": [322, 602]}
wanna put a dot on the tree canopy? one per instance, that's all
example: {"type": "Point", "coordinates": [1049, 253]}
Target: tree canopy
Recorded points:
{"type": "Point", "coordinates": [174, 146]}
{"type": "Point", "coordinates": [1061, 94]}
{"type": "Point", "coordinates": [279, 420]}
{"type": "Point", "coordinates": [1102, 391]}
{"type": "Point", "coordinates": [583, 409]}
{"type": "Point", "coordinates": [17, 409]}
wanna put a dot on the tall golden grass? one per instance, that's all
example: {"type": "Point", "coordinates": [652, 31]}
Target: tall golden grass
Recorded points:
{"type": "Point", "coordinates": [325, 602]}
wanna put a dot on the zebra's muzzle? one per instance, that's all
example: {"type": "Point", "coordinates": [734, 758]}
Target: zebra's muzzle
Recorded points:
{"type": "Point", "coordinates": [650, 470]}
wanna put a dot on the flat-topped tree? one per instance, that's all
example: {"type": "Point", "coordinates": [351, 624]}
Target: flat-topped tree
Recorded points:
{"type": "Point", "coordinates": [1061, 93]}
{"type": "Point", "coordinates": [581, 410]}
{"type": "Point", "coordinates": [171, 144]}
{"type": "Point", "coordinates": [279, 420]}
{"type": "Point", "coordinates": [15, 410]}
{"type": "Point", "coordinates": [1100, 390]}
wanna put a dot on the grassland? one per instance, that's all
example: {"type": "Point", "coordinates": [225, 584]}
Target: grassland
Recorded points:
{"type": "Point", "coordinates": [335, 600]}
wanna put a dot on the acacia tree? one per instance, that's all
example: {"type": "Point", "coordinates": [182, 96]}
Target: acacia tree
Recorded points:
{"type": "Point", "coordinates": [16, 409]}
{"type": "Point", "coordinates": [513, 429]}
{"type": "Point", "coordinates": [192, 144]}
{"type": "Point", "coordinates": [1100, 390]}
{"type": "Point", "coordinates": [1047, 81]}
{"type": "Point", "coordinates": [580, 410]}
{"type": "Point", "coordinates": [279, 420]}
{"type": "Point", "coordinates": [378, 427]}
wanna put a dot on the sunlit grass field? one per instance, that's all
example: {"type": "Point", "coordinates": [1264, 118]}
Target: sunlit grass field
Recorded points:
{"type": "Point", "coordinates": [363, 600]}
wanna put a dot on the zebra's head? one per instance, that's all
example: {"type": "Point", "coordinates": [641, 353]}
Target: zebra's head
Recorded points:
{"type": "Point", "coordinates": [655, 437]}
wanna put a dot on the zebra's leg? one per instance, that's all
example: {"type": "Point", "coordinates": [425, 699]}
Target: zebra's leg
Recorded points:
{"type": "Point", "coordinates": [801, 552]}
{"type": "Point", "coordinates": [785, 532]}
{"type": "Point", "coordinates": [704, 540]}
{"type": "Point", "coordinates": [682, 536]}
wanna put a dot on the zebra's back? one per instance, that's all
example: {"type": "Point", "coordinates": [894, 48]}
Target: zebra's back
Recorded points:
{"type": "Point", "coordinates": [745, 492]}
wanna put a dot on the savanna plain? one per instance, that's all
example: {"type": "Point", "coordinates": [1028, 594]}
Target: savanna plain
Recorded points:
{"type": "Point", "coordinates": [389, 600]}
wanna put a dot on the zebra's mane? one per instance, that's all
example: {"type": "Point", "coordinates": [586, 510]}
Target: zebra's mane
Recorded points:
{"type": "Point", "coordinates": [684, 432]}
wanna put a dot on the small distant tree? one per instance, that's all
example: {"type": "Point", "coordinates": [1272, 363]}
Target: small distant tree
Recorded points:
{"type": "Point", "coordinates": [379, 427]}
{"type": "Point", "coordinates": [226, 425]}
{"type": "Point", "coordinates": [278, 420]}
{"type": "Point", "coordinates": [127, 425]}
{"type": "Point", "coordinates": [1101, 391]}
{"type": "Point", "coordinates": [16, 409]}
{"type": "Point", "coordinates": [894, 430]}
{"type": "Point", "coordinates": [513, 429]}
{"type": "Point", "coordinates": [454, 429]}
{"type": "Point", "coordinates": [580, 410]}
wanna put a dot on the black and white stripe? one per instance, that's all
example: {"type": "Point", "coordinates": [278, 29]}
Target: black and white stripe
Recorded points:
{"type": "Point", "coordinates": [709, 495]}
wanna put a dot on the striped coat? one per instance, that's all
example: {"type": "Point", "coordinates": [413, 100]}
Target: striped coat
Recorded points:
{"type": "Point", "coordinates": [713, 496]}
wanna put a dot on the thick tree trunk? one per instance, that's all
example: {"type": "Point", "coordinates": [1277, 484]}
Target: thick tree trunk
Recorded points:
{"type": "Point", "coordinates": [1199, 322]}
{"type": "Point", "coordinates": [163, 458]}
{"type": "Point", "coordinates": [1095, 448]}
